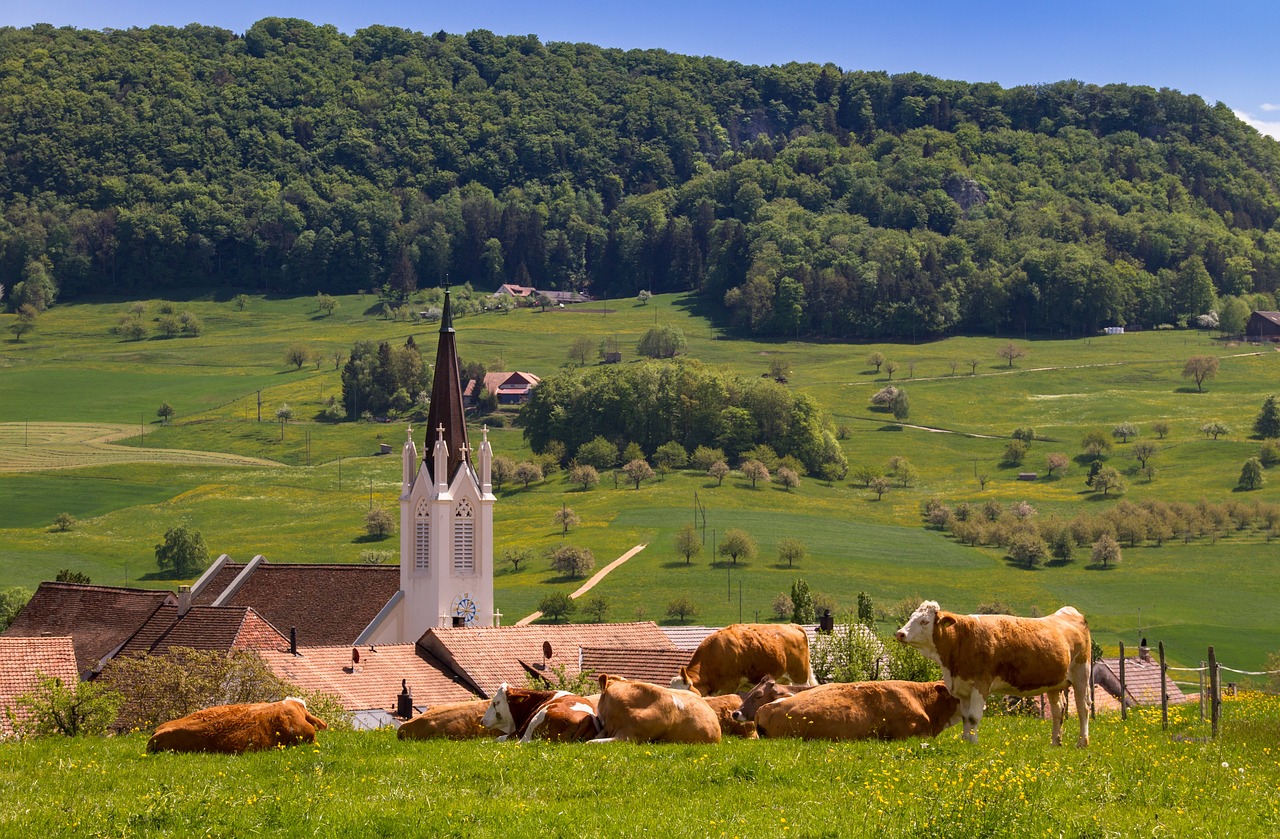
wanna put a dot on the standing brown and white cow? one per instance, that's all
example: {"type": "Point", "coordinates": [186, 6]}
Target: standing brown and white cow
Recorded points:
{"type": "Point", "coordinates": [887, 710]}
{"type": "Point", "coordinates": [645, 713]}
{"type": "Point", "coordinates": [1001, 654]}
{"type": "Point", "coordinates": [743, 654]}
{"type": "Point", "coordinates": [555, 715]}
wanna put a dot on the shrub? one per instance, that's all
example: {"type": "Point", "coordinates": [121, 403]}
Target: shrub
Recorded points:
{"type": "Point", "coordinates": [704, 456]}
{"type": "Point", "coordinates": [52, 708]}
{"type": "Point", "coordinates": [850, 653]}
{"type": "Point", "coordinates": [378, 523]}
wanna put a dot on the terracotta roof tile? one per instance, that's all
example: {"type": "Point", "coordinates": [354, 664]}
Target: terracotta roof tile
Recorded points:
{"type": "Point", "coordinates": [656, 666]}
{"type": "Point", "coordinates": [689, 637]}
{"type": "Point", "coordinates": [489, 656]}
{"type": "Point", "coordinates": [1141, 681]}
{"type": "Point", "coordinates": [376, 680]}
{"type": "Point", "coordinates": [328, 604]}
{"type": "Point", "coordinates": [224, 628]}
{"type": "Point", "coordinates": [22, 658]}
{"type": "Point", "coordinates": [98, 618]}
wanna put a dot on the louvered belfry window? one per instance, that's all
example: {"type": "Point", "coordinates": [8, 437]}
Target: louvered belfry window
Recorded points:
{"type": "Point", "coordinates": [464, 538]}
{"type": "Point", "coordinates": [422, 536]}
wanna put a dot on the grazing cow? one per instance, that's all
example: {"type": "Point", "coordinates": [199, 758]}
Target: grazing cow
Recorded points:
{"type": "Point", "coordinates": [232, 729]}
{"type": "Point", "coordinates": [985, 654]}
{"type": "Point", "coordinates": [726, 708]}
{"type": "Point", "coordinates": [555, 715]}
{"type": "Point", "coordinates": [765, 691]}
{"type": "Point", "coordinates": [888, 710]}
{"type": "Point", "coordinates": [451, 721]}
{"type": "Point", "coordinates": [744, 653]}
{"type": "Point", "coordinates": [644, 713]}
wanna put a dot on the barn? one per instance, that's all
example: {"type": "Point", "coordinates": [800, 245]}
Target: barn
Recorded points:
{"type": "Point", "coordinates": [1263, 326]}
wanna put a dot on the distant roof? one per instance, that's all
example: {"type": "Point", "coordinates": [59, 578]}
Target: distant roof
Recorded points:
{"type": "Point", "coordinates": [327, 603]}
{"type": "Point", "coordinates": [515, 290]}
{"type": "Point", "coordinates": [489, 656]}
{"type": "Point", "coordinates": [503, 382]}
{"type": "Point", "coordinates": [1141, 681]}
{"type": "Point", "coordinates": [98, 618]}
{"type": "Point", "coordinates": [1274, 317]}
{"type": "Point", "coordinates": [22, 658]}
{"type": "Point", "coordinates": [656, 666]}
{"type": "Point", "coordinates": [689, 637]}
{"type": "Point", "coordinates": [375, 681]}
{"type": "Point", "coordinates": [222, 628]}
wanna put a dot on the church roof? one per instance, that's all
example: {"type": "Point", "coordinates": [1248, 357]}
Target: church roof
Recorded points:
{"type": "Point", "coordinates": [326, 603]}
{"type": "Point", "coordinates": [374, 683]}
{"type": "Point", "coordinates": [489, 656]}
{"type": "Point", "coordinates": [446, 410]}
{"type": "Point", "coordinates": [97, 618]}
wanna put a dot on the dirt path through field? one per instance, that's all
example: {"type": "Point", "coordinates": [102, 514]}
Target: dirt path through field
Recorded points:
{"type": "Point", "coordinates": [589, 584]}
{"type": "Point", "coordinates": [36, 446]}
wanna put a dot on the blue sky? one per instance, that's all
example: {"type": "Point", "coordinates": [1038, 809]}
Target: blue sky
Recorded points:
{"type": "Point", "coordinates": [1228, 52]}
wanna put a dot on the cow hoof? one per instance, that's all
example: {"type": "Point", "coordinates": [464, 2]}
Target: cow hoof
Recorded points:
{"type": "Point", "coordinates": [1082, 742]}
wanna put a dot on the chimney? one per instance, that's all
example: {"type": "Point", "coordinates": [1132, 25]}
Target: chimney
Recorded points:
{"type": "Point", "coordinates": [1144, 652]}
{"type": "Point", "coordinates": [293, 640]}
{"type": "Point", "coordinates": [184, 600]}
{"type": "Point", "coordinates": [404, 701]}
{"type": "Point", "coordinates": [826, 623]}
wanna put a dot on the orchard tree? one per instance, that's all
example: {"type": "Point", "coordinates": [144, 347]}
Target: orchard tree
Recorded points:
{"type": "Point", "coordinates": [297, 355]}
{"type": "Point", "coordinates": [788, 478]}
{"type": "Point", "coordinates": [973, 365]}
{"type": "Point", "coordinates": [182, 553]}
{"type": "Point", "coordinates": [501, 470]}
{"type": "Point", "coordinates": [165, 413]}
{"type": "Point", "coordinates": [1251, 476]}
{"type": "Point", "coordinates": [557, 606]}
{"type": "Point", "coordinates": [378, 523]}
{"type": "Point", "coordinates": [566, 518]}
{"type": "Point", "coordinates": [1028, 549]}
{"type": "Point", "coordinates": [1108, 479]}
{"type": "Point", "coordinates": [876, 360]}
{"type": "Point", "coordinates": [1215, 429]}
{"type": "Point", "coordinates": [792, 550]}
{"type": "Point", "coordinates": [515, 556]}
{"type": "Point", "coordinates": [1124, 431]}
{"type": "Point", "coordinates": [597, 608]}
{"type": "Point", "coordinates": [900, 405]}
{"type": "Point", "coordinates": [325, 303]}
{"type": "Point", "coordinates": [879, 485]}
{"type": "Point", "coordinates": [681, 609]}
{"type": "Point", "coordinates": [585, 476]}
{"type": "Point", "coordinates": [572, 560]}
{"type": "Point", "coordinates": [718, 470]}
{"type": "Point", "coordinates": [1014, 453]}
{"type": "Point", "coordinates": [528, 472]}
{"type": "Point", "coordinates": [1201, 368]}
{"type": "Point", "coordinates": [1057, 462]}
{"type": "Point", "coordinates": [1144, 451]}
{"type": "Point", "coordinates": [662, 342]}
{"type": "Point", "coordinates": [1106, 551]}
{"type": "Point", "coordinates": [283, 414]}
{"type": "Point", "coordinates": [737, 543]}
{"type": "Point", "coordinates": [581, 348]}
{"type": "Point", "coordinates": [1161, 429]}
{"type": "Point", "coordinates": [638, 471]}
{"type": "Point", "coordinates": [688, 542]}
{"type": "Point", "coordinates": [598, 452]}
{"type": "Point", "coordinates": [25, 322]}
{"type": "Point", "coordinates": [782, 606]}
{"type": "Point", "coordinates": [754, 470]}
{"type": "Point", "coordinates": [1011, 352]}
{"type": "Point", "coordinates": [801, 603]}
{"type": "Point", "coordinates": [890, 367]}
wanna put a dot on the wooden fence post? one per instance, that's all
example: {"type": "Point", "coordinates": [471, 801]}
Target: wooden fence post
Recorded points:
{"type": "Point", "coordinates": [1124, 706]}
{"type": "Point", "coordinates": [1200, 676]}
{"type": "Point", "coordinates": [1164, 691]}
{"type": "Point", "coordinates": [1215, 693]}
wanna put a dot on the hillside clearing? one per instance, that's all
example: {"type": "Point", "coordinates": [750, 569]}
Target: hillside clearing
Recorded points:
{"type": "Point", "coordinates": [38, 446]}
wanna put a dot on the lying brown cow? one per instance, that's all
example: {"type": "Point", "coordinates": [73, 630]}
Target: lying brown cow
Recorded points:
{"type": "Point", "coordinates": [765, 691]}
{"type": "Point", "coordinates": [232, 729]}
{"type": "Point", "coordinates": [743, 654]}
{"type": "Point", "coordinates": [889, 710]}
{"type": "Point", "coordinates": [555, 715]}
{"type": "Point", "coordinates": [451, 721]}
{"type": "Point", "coordinates": [644, 713]}
{"type": "Point", "coordinates": [726, 708]}
{"type": "Point", "coordinates": [985, 654]}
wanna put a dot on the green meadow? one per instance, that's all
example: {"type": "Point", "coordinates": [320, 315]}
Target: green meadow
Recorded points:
{"type": "Point", "coordinates": [299, 492]}
{"type": "Point", "coordinates": [1135, 779]}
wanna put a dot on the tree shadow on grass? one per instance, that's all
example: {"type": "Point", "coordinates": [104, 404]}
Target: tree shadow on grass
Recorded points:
{"type": "Point", "coordinates": [1098, 566]}
{"type": "Point", "coordinates": [366, 539]}
{"type": "Point", "coordinates": [677, 563]}
{"type": "Point", "coordinates": [1015, 565]}
{"type": "Point", "coordinates": [1186, 389]}
{"type": "Point", "coordinates": [894, 427]}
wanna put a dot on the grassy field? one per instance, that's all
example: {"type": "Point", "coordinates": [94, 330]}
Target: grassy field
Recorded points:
{"type": "Point", "coordinates": [71, 393]}
{"type": "Point", "coordinates": [1133, 780]}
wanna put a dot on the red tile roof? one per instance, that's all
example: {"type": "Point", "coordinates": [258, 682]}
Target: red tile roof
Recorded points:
{"type": "Point", "coordinates": [22, 658]}
{"type": "Point", "coordinates": [656, 666]}
{"type": "Point", "coordinates": [375, 683]}
{"type": "Point", "coordinates": [223, 628]}
{"type": "Point", "coordinates": [209, 589]}
{"type": "Point", "coordinates": [328, 604]}
{"type": "Point", "coordinates": [489, 656]}
{"type": "Point", "coordinates": [98, 618]}
{"type": "Point", "coordinates": [1141, 681]}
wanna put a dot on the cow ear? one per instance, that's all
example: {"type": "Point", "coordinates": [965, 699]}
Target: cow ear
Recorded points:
{"type": "Point", "coordinates": [946, 620]}
{"type": "Point", "coordinates": [604, 681]}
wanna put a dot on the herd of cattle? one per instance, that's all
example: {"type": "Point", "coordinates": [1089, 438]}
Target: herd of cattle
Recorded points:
{"type": "Point", "coordinates": [980, 655]}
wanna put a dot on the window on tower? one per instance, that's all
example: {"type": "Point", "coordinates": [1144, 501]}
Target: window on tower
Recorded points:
{"type": "Point", "coordinates": [422, 537]}
{"type": "Point", "coordinates": [464, 538]}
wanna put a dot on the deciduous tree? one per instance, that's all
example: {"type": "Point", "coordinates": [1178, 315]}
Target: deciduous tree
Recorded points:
{"type": "Point", "coordinates": [182, 553]}
{"type": "Point", "coordinates": [1251, 475]}
{"type": "Point", "coordinates": [1011, 352]}
{"type": "Point", "coordinates": [791, 550]}
{"type": "Point", "coordinates": [1201, 368]}
{"type": "Point", "coordinates": [681, 609]}
{"type": "Point", "coordinates": [688, 542]}
{"type": "Point", "coordinates": [638, 471]}
{"type": "Point", "coordinates": [378, 523]}
{"type": "Point", "coordinates": [737, 544]}
{"type": "Point", "coordinates": [556, 606]}
{"type": "Point", "coordinates": [754, 470]}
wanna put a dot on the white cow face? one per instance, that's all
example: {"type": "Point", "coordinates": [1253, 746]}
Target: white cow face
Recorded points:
{"type": "Point", "coordinates": [918, 630]}
{"type": "Point", "coordinates": [682, 681]}
{"type": "Point", "coordinates": [498, 715]}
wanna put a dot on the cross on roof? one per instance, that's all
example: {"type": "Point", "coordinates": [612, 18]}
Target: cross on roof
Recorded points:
{"type": "Point", "coordinates": [440, 432]}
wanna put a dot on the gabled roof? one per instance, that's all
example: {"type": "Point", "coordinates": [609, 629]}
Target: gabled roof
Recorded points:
{"type": "Point", "coordinates": [222, 628]}
{"type": "Point", "coordinates": [1141, 681]}
{"type": "Point", "coordinates": [97, 618]}
{"type": "Point", "coordinates": [214, 580]}
{"type": "Point", "coordinates": [489, 656]}
{"type": "Point", "coordinates": [1274, 317]}
{"type": "Point", "coordinates": [375, 681]}
{"type": "Point", "coordinates": [515, 290]}
{"type": "Point", "coordinates": [326, 603]}
{"type": "Point", "coordinates": [656, 666]}
{"type": "Point", "coordinates": [22, 658]}
{"type": "Point", "coordinates": [503, 382]}
{"type": "Point", "coordinates": [689, 637]}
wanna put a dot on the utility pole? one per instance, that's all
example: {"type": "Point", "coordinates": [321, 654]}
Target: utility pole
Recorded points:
{"type": "Point", "coordinates": [339, 473]}
{"type": "Point", "coordinates": [259, 406]}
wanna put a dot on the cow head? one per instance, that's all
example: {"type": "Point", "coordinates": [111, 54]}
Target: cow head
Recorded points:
{"type": "Point", "coordinates": [498, 715]}
{"type": "Point", "coordinates": [918, 630]}
{"type": "Point", "coordinates": [682, 681]}
{"type": "Point", "coordinates": [763, 693]}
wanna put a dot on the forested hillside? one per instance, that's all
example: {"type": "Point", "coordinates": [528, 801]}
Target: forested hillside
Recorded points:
{"type": "Point", "coordinates": [806, 200]}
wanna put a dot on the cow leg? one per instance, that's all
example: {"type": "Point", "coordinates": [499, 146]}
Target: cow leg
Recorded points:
{"type": "Point", "coordinates": [1080, 686]}
{"type": "Point", "coordinates": [973, 715]}
{"type": "Point", "coordinates": [1057, 709]}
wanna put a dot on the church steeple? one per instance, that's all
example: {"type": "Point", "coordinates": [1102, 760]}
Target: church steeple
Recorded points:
{"type": "Point", "coordinates": [446, 402]}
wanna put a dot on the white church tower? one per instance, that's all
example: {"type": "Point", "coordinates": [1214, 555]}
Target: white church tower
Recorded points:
{"type": "Point", "coordinates": [446, 513]}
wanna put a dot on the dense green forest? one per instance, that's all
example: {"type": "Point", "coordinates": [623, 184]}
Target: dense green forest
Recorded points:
{"type": "Point", "coordinates": [805, 200]}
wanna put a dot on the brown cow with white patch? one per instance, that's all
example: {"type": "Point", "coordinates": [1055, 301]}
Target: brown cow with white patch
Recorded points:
{"type": "Point", "coordinates": [726, 708]}
{"type": "Point", "coordinates": [644, 713]}
{"type": "Point", "coordinates": [743, 654]}
{"type": "Point", "coordinates": [450, 721]}
{"type": "Point", "coordinates": [985, 654]}
{"type": "Point", "coordinates": [888, 710]}
{"type": "Point", "coordinates": [765, 691]}
{"type": "Point", "coordinates": [232, 729]}
{"type": "Point", "coordinates": [555, 715]}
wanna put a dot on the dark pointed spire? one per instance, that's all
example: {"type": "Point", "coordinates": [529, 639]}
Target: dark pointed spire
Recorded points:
{"type": "Point", "coordinates": [446, 401]}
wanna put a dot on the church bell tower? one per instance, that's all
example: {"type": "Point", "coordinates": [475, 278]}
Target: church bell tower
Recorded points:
{"type": "Point", "coordinates": [446, 511]}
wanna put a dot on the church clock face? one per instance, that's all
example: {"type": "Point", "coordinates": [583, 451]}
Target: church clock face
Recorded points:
{"type": "Point", "coordinates": [464, 607]}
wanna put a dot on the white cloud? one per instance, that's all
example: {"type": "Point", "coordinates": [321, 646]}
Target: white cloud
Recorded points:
{"type": "Point", "coordinates": [1270, 128]}
{"type": "Point", "coordinates": [1267, 106]}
